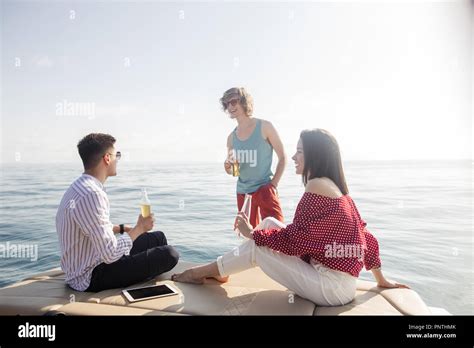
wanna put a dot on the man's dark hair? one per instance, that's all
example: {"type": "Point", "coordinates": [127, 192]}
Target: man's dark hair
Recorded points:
{"type": "Point", "coordinates": [93, 147]}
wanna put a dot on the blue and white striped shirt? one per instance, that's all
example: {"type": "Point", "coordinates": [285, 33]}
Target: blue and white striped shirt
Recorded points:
{"type": "Point", "coordinates": [85, 232]}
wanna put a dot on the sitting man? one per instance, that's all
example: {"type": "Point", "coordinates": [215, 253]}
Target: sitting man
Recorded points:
{"type": "Point", "coordinates": [91, 256]}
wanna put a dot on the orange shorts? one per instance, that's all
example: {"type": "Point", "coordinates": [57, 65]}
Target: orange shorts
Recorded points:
{"type": "Point", "coordinates": [265, 203]}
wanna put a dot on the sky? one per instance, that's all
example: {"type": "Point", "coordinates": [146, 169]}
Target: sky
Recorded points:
{"type": "Point", "coordinates": [391, 80]}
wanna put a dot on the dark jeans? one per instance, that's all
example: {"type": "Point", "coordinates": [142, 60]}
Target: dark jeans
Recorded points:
{"type": "Point", "coordinates": [149, 257]}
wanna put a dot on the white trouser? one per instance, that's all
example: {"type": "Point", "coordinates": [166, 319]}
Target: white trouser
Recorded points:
{"type": "Point", "coordinates": [315, 282]}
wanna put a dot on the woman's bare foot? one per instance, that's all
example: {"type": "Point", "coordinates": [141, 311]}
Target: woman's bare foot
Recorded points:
{"type": "Point", "coordinates": [221, 279]}
{"type": "Point", "coordinates": [187, 276]}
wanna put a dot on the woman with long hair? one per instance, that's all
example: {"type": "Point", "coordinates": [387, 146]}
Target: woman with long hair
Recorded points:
{"type": "Point", "coordinates": [320, 255]}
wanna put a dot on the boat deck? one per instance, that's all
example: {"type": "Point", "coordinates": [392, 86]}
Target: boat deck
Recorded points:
{"type": "Point", "coordinates": [248, 293]}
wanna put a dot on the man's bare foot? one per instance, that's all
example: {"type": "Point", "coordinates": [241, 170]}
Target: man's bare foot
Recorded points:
{"type": "Point", "coordinates": [187, 276]}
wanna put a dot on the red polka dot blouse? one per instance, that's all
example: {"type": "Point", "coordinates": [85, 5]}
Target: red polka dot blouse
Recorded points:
{"type": "Point", "coordinates": [328, 230]}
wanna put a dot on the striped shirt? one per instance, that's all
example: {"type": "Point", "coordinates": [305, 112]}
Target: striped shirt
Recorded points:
{"type": "Point", "coordinates": [85, 232]}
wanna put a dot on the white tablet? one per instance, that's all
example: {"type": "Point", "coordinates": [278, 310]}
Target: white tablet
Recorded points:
{"type": "Point", "coordinates": [149, 292]}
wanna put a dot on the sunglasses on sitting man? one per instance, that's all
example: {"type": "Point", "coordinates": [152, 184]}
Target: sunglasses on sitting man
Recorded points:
{"type": "Point", "coordinates": [118, 154]}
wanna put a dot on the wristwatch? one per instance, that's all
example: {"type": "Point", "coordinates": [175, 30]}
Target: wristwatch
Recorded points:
{"type": "Point", "coordinates": [122, 228]}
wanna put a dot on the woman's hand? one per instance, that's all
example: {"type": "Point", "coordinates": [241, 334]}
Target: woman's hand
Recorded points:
{"type": "Point", "coordinates": [384, 283]}
{"type": "Point", "coordinates": [243, 224]}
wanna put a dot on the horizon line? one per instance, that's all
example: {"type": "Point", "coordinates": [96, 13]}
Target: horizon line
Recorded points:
{"type": "Point", "coordinates": [214, 162]}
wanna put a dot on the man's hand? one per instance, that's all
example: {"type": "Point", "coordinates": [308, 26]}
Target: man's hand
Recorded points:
{"type": "Point", "coordinates": [144, 224]}
{"type": "Point", "coordinates": [228, 166]}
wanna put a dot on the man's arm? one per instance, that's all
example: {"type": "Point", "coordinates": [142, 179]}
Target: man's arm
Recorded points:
{"type": "Point", "coordinates": [227, 164]}
{"type": "Point", "coordinates": [273, 138]}
{"type": "Point", "coordinates": [143, 225]}
{"type": "Point", "coordinates": [92, 215]}
{"type": "Point", "coordinates": [126, 228]}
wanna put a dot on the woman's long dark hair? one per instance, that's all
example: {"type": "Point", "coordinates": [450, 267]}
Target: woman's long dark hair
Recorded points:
{"type": "Point", "coordinates": [322, 158]}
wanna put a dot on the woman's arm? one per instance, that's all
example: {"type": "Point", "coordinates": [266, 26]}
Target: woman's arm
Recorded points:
{"type": "Point", "coordinates": [279, 240]}
{"type": "Point", "coordinates": [372, 262]}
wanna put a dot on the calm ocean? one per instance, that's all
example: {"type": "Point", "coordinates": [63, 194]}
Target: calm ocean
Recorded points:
{"type": "Point", "coordinates": [421, 213]}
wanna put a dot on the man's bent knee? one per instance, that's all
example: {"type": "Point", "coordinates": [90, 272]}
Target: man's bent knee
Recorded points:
{"type": "Point", "coordinates": [161, 238]}
{"type": "Point", "coordinates": [172, 256]}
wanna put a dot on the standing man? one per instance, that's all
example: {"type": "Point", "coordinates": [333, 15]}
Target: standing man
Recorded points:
{"type": "Point", "coordinates": [250, 147]}
{"type": "Point", "coordinates": [92, 257]}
